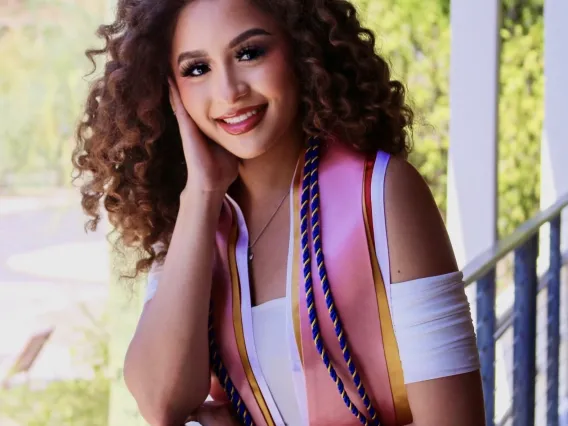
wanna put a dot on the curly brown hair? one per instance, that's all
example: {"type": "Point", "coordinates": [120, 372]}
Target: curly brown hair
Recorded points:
{"type": "Point", "coordinates": [345, 90]}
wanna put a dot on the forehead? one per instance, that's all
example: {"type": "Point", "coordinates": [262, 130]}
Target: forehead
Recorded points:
{"type": "Point", "coordinates": [209, 23]}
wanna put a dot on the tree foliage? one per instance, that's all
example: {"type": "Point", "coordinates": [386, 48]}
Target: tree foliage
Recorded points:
{"type": "Point", "coordinates": [41, 84]}
{"type": "Point", "coordinates": [415, 36]}
{"type": "Point", "coordinates": [521, 112]}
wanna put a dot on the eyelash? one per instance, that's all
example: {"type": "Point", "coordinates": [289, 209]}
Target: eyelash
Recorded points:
{"type": "Point", "coordinates": [255, 52]}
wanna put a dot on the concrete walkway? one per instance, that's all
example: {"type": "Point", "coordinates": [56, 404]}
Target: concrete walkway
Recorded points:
{"type": "Point", "coordinates": [51, 274]}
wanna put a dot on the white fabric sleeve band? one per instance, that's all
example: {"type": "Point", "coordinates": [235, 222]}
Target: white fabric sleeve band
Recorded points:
{"type": "Point", "coordinates": [432, 323]}
{"type": "Point", "coordinates": [152, 281]}
{"type": "Point", "coordinates": [154, 274]}
{"type": "Point", "coordinates": [433, 327]}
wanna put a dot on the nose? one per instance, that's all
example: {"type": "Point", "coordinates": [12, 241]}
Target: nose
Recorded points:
{"type": "Point", "coordinates": [231, 87]}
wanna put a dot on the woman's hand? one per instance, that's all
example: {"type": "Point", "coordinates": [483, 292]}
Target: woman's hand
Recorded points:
{"type": "Point", "coordinates": [214, 413]}
{"type": "Point", "coordinates": [210, 167]}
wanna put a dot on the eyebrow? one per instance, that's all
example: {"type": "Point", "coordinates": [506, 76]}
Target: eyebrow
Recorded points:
{"type": "Point", "coordinates": [244, 36]}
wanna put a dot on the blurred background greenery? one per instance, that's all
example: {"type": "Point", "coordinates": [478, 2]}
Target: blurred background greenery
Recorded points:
{"type": "Point", "coordinates": [42, 88]}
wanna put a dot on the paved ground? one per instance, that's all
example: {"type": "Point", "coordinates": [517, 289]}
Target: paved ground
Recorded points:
{"type": "Point", "coordinates": [52, 273]}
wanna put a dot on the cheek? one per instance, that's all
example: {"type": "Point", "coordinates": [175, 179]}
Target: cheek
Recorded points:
{"type": "Point", "coordinates": [194, 99]}
{"type": "Point", "coordinates": [277, 79]}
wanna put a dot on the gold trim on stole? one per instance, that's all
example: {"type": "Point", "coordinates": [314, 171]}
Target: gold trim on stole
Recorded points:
{"type": "Point", "coordinates": [238, 323]}
{"type": "Point", "coordinates": [295, 282]}
{"type": "Point", "coordinates": [392, 356]}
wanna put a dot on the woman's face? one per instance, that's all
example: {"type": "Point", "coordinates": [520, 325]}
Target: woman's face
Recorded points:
{"type": "Point", "coordinates": [233, 69]}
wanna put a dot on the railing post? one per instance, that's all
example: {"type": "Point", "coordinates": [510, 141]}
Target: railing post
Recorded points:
{"type": "Point", "coordinates": [485, 330]}
{"type": "Point", "coordinates": [553, 324]}
{"type": "Point", "coordinates": [524, 323]}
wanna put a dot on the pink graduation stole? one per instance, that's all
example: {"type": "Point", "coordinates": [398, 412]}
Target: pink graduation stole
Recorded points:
{"type": "Point", "coordinates": [359, 291]}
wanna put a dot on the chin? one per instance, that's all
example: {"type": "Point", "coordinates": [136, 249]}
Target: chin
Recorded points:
{"type": "Point", "coordinates": [248, 148]}
{"type": "Point", "coordinates": [252, 144]}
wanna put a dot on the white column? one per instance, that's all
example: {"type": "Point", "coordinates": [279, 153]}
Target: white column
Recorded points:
{"type": "Point", "coordinates": [554, 150]}
{"type": "Point", "coordinates": [472, 167]}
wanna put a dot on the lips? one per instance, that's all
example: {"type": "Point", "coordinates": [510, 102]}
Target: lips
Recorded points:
{"type": "Point", "coordinates": [243, 120]}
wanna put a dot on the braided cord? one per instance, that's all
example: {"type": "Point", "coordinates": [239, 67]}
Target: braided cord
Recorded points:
{"type": "Point", "coordinates": [310, 189]}
{"type": "Point", "coordinates": [223, 376]}
{"type": "Point", "coordinates": [316, 237]}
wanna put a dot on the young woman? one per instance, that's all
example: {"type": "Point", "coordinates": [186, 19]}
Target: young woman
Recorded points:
{"type": "Point", "coordinates": [300, 272]}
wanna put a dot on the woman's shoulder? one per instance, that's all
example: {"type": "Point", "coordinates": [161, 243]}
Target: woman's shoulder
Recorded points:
{"type": "Point", "coordinates": [418, 242]}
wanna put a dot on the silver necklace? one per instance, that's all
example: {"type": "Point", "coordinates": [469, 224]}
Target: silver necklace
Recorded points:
{"type": "Point", "coordinates": [250, 247]}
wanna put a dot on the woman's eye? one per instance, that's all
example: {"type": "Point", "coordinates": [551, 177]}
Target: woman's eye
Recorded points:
{"type": "Point", "coordinates": [250, 53]}
{"type": "Point", "coordinates": [194, 70]}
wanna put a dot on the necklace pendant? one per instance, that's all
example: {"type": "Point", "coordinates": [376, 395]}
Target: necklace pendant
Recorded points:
{"type": "Point", "coordinates": [250, 255]}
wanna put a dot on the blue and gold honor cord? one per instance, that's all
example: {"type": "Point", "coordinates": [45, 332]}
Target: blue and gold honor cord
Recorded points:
{"type": "Point", "coordinates": [223, 376]}
{"type": "Point", "coordinates": [310, 206]}
{"type": "Point", "coordinates": [310, 194]}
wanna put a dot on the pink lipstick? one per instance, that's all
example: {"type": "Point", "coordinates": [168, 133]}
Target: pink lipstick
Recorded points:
{"type": "Point", "coordinates": [243, 120]}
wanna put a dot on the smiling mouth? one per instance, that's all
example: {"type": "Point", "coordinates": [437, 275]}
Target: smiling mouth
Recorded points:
{"type": "Point", "coordinates": [241, 118]}
{"type": "Point", "coordinates": [243, 123]}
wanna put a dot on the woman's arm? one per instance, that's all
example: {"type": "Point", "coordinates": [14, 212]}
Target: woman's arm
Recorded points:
{"type": "Point", "coordinates": [167, 363]}
{"type": "Point", "coordinates": [419, 247]}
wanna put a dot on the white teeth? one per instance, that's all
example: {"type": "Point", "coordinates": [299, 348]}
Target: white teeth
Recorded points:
{"type": "Point", "coordinates": [242, 117]}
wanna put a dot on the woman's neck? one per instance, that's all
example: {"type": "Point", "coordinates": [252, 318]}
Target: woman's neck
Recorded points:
{"type": "Point", "coordinates": [265, 179]}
